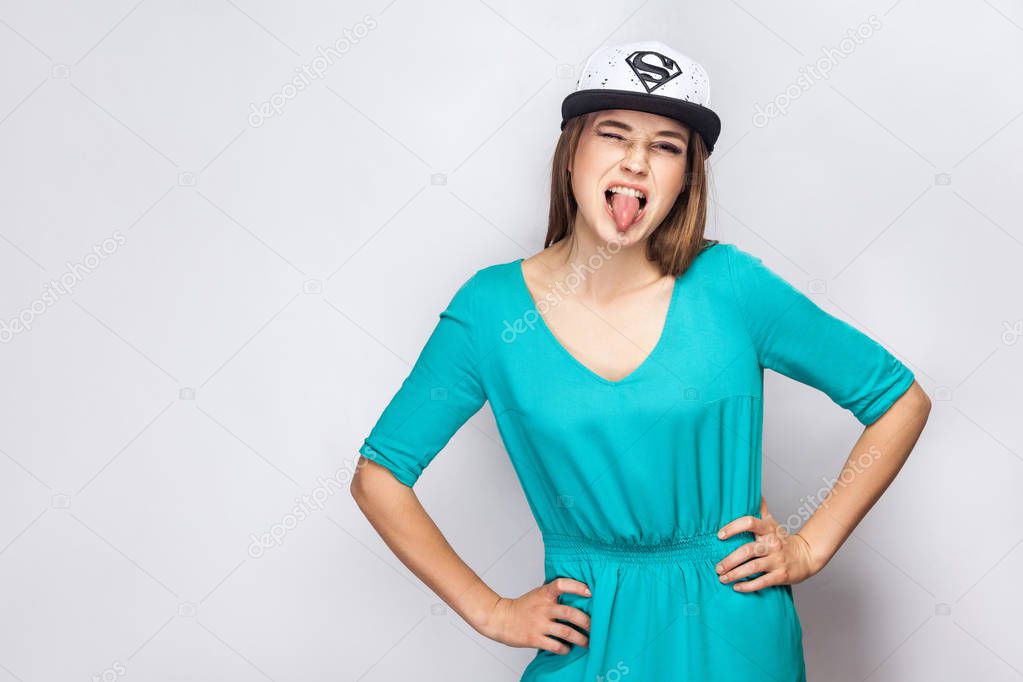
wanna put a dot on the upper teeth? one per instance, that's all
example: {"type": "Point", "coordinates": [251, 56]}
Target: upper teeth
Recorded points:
{"type": "Point", "coordinates": [617, 189]}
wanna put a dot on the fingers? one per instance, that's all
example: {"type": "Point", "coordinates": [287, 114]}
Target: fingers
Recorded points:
{"type": "Point", "coordinates": [548, 628]}
{"type": "Point", "coordinates": [564, 612]}
{"type": "Point", "coordinates": [551, 645]}
{"type": "Point", "coordinates": [759, 565]}
{"type": "Point", "coordinates": [745, 523]}
{"type": "Point", "coordinates": [760, 583]}
{"type": "Point", "coordinates": [562, 585]}
{"type": "Point", "coordinates": [571, 614]}
{"type": "Point", "coordinates": [740, 557]}
{"type": "Point", "coordinates": [565, 632]}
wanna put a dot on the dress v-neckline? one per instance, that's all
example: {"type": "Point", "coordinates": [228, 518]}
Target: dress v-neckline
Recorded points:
{"type": "Point", "coordinates": [651, 357]}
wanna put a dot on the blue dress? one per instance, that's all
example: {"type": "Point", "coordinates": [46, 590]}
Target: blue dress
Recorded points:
{"type": "Point", "coordinates": [630, 480]}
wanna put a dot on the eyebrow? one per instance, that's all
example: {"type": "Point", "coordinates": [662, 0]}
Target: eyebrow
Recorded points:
{"type": "Point", "coordinates": [627, 128]}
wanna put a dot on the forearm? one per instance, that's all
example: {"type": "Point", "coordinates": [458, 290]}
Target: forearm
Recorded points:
{"type": "Point", "coordinates": [876, 458]}
{"type": "Point", "coordinates": [394, 510]}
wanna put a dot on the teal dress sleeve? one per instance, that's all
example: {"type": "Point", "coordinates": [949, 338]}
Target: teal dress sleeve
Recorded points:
{"type": "Point", "coordinates": [441, 392]}
{"type": "Point", "coordinates": [795, 337]}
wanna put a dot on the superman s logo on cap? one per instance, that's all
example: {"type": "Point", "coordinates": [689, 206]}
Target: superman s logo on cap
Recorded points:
{"type": "Point", "coordinates": [652, 68]}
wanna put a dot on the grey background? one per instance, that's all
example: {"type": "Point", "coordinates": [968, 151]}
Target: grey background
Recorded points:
{"type": "Point", "coordinates": [266, 285]}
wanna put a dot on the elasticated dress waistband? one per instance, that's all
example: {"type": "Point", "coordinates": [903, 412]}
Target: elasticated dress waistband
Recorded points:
{"type": "Point", "coordinates": [701, 547]}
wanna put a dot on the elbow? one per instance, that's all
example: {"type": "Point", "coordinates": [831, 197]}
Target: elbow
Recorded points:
{"type": "Point", "coordinates": [920, 399]}
{"type": "Point", "coordinates": [925, 409]}
{"type": "Point", "coordinates": [913, 405]}
{"type": "Point", "coordinates": [373, 482]}
{"type": "Point", "coordinates": [358, 486]}
{"type": "Point", "coordinates": [365, 494]}
{"type": "Point", "coordinates": [919, 404]}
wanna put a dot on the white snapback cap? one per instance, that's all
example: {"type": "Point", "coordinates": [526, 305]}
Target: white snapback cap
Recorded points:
{"type": "Point", "coordinates": [646, 76]}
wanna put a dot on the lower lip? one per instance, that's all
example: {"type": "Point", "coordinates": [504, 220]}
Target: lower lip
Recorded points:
{"type": "Point", "coordinates": [639, 216]}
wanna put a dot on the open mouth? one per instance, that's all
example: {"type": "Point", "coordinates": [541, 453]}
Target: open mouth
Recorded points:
{"type": "Point", "coordinates": [639, 214]}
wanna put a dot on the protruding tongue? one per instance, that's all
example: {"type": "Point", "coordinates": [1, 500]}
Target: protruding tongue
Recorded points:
{"type": "Point", "coordinates": [624, 207]}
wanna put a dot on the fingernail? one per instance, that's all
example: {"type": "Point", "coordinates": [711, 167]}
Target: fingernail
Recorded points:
{"type": "Point", "coordinates": [588, 593]}
{"type": "Point", "coordinates": [721, 533]}
{"type": "Point", "coordinates": [718, 569]}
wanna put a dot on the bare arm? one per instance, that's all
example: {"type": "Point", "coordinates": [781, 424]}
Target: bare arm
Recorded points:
{"type": "Point", "coordinates": [877, 457]}
{"type": "Point", "coordinates": [394, 510]}
{"type": "Point", "coordinates": [875, 460]}
{"type": "Point", "coordinates": [794, 336]}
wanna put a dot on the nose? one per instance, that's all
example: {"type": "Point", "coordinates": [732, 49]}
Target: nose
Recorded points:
{"type": "Point", "coordinates": [635, 159]}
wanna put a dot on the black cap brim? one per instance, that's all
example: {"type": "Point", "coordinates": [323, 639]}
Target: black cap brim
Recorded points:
{"type": "Point", "coordinates": [696, 116]}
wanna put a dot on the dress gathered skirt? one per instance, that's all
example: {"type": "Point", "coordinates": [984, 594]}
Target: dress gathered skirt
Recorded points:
{"type": "Point", "coordinates": [630, 480]}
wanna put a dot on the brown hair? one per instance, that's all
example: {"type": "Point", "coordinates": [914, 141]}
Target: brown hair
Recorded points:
{"type": "Point", "coordinates": [676, 241]}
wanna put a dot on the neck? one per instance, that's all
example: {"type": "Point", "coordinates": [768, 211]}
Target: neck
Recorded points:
{"type": "Point", "coordinates": [603, 269]}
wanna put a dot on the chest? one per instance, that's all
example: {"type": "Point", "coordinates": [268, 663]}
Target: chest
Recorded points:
{"type": "Point", "coordinates": [569, 368]}
{"type": "Point", "coordinates": [612, 341]}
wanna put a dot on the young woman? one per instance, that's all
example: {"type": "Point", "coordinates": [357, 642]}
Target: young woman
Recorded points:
{"type": "Point", "coordinates": [624, 365]}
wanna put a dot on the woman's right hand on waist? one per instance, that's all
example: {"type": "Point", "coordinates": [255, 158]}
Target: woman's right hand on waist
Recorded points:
{"type": "Point", "coordinates": [529, 620]}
